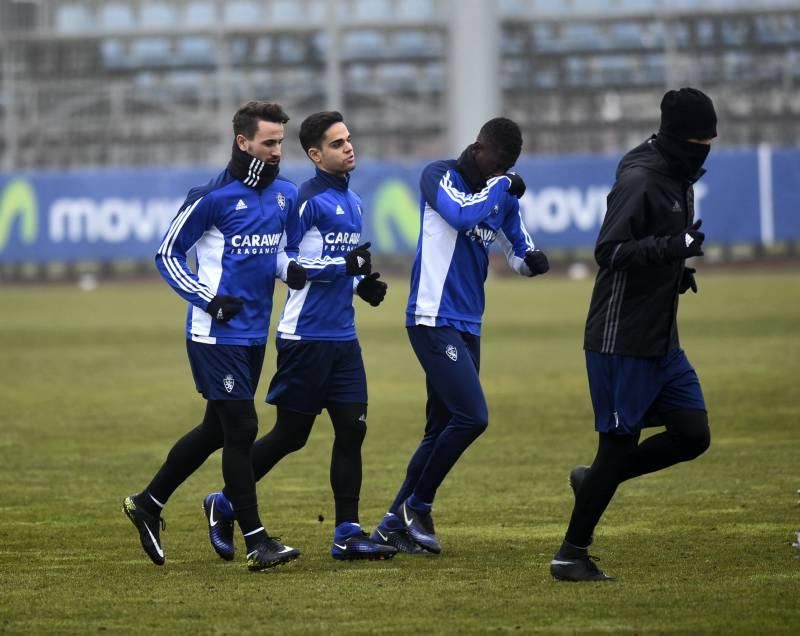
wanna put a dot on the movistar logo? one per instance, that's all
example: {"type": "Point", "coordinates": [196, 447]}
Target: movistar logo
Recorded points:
{"type": "Point", "coordinates": [18, 199]}
{"type": "Point", "coordinates": [396, 215]}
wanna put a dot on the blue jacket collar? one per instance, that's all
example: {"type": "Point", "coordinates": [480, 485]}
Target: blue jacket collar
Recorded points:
{"type": "Point", "coordinates": [340, 183]}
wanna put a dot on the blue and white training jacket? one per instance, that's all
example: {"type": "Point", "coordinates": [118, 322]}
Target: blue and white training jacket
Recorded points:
{"type": "Point", "coordinates": [325, 225]}
{"type": "Point", "coordinates": [237, 235]}
{"type": "Point", "coordinates": [457, 227]}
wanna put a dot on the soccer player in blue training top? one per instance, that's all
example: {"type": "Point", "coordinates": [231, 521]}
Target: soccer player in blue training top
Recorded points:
{"type": "Point", "coordinates": [465, 204]}
{"type": "Point", "coordinates": [638, 374]}
{"type": "Point", "coordinates": [319, 358]}
{"type": "Point", "coordinates": [234, 224]}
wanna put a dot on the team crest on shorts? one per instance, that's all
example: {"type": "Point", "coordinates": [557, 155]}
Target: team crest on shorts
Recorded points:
{"type": "Point", "coordinates": [451, 352]}
{"type": "Point", "coordinates": [228, 382]}
{"type": "Point", "coordinates": [281, 200]}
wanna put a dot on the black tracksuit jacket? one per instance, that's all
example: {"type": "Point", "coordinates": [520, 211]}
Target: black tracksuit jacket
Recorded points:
{"type": "Point", "coordinates": [635, 298]}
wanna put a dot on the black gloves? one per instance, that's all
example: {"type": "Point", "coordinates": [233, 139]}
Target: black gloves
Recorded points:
{"type": "Point", "coordinates": [223, 308]}
{"type": "Point", "coordinates": [296, 275]}
{"type": "Point", "coordinates": [517, 186]}
{"type": "Point", "coordinates": [359, 260]}
{"type": "Point", "coordinates": [687, 281]}
{"type": "Point", "coordinates": [686, 244]}
{"type": "Point", "coordinates": [537, 262]}
{"type": "Point", "coordinates": [372, 290]}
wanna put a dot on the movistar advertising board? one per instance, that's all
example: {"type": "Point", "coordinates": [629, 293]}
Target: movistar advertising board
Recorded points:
{"type": "Point", "coordinates": [749, 196]}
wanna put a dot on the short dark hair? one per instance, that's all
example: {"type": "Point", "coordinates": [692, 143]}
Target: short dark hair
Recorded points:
{"type": "Point", "coordinates": [504, 137]}
{"type": "Point", "coordinates": [314, 127]}
{"type": "Point", "coordinates": [245, 121]}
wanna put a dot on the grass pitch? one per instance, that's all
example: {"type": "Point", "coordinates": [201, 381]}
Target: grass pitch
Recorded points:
{"type": "Point", "coordinates": [95, 387]}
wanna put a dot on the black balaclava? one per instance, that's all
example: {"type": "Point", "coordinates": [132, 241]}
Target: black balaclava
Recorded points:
{"type": "Point", "coordinates": [467, 166]}
{"type": "Point", "coordinates": [686, 114]}
{"type": "Point", "coordinates": [251, 171]}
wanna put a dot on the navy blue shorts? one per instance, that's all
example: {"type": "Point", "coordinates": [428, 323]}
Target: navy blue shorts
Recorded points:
{"type": "Point", "coordinates": [315, 373]}
{"type": "Point", "coordinates": [225, 372]}
{"type": "Point", "coordinates": [630, 393]}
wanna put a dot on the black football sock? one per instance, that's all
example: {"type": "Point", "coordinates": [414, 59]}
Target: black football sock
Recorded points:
{"type": "Point", "coordinates": [350, 427]}
{"type": "Point", "coordinates": [246, 509]}
{"type": "Point", "coordinates": [599, 486]}
{"type": "Point", "coordinates": [148, 503]}
{"type": "Point", "coordinates": [567, 550]}
{"type": "Point", "coordinates": [687, 436]}
{"type": "Point", "coordinates": [289, 434]}
{"type": "Point", "coordinates": [185, 457]}
{"type": "Point", "coordinates": [240, 426]}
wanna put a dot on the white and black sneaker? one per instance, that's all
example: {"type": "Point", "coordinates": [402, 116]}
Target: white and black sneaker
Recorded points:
{"type": "Point", "coordinates": [578, 567]}
{"type": "Point", "coordinates": [149, 528]}
{"type": "Point", "coordinates": [270, 553]}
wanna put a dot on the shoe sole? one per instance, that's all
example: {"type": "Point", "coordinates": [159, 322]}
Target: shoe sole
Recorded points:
{"type": "Point", "coordinates": [128, 513]}
{"type": "Point", "coordinates": [426, 548]}
{"type": "Point", "coordinates": [418, 549]}
{"type": "Point", "coordinates": [359, 556]}
{"type": "Point", "coordinates": [596, 580]}
{"type": "Point", "coordinates": [227, 556]}
{"type": "Point", "coordinates": [571, 579]}
{"type": "Point", "coordinates": [273, 563]}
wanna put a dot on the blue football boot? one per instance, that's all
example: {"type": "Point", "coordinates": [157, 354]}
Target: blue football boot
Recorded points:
{"type": "Point", "coordinates": [391, 531]}
{"type": "Point", "coordinates": [219, 513]}
{"type": "Point", "coordinates": [351, 543]}
{"type": "Point", "coordinates": [420, 527]}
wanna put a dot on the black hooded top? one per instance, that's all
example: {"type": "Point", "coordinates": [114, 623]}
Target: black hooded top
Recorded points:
{"type": "Point", "coordinates": [635, 298]}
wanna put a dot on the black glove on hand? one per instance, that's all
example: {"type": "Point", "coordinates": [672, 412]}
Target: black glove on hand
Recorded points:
{"type": "Point", "coordinates": [517, 186]}
{"type": "Point", "coordinates": [537, 262]}
{"type": "Point", "coordinates": [296, 275]}
{"type": "Point", "coordinates": [686, 244]}
{"type": "Point", "coordinates": [687, 281]}
{"type": "Point", "coordinates": [359, 260]}
{"type": "Point", "coordinates": [372, 290]}
{"type": "Point", "coordinates": [223, 308]}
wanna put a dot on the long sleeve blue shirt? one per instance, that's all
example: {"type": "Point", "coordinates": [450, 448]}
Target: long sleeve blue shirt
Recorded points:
{"type": "Point", "coordinates": [320, 231]}
{"type": "Point", "coordinates": [236, 233]}
{"type": "Point", "coordinates": [457, 228]}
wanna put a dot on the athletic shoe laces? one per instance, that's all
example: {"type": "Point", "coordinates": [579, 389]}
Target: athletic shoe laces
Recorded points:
{"type": "Point", "coordinates": [590, 563]}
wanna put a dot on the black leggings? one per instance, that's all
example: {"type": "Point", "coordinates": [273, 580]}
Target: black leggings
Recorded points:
{"type": "Point", "coordinates": [290, 434]}
{"type": "Point", "coordinates": [228, 424]}
{"type": "Point", "coordinates": [621, 457]}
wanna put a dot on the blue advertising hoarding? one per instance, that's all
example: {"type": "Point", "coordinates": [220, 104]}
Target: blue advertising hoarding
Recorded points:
{"type": "Point", "coordinates": [747, 196]}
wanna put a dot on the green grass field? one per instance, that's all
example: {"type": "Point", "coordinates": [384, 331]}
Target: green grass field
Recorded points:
{"type": "Point", "coordinates": [95, 387]}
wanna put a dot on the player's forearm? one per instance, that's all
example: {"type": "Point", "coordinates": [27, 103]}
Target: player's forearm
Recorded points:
{"type": "Point", "coordinates": [323, 270]}
{"type": "Point", "coordinates": [618, 256]}
{"type": "Point", "coordinates": [176, 272]}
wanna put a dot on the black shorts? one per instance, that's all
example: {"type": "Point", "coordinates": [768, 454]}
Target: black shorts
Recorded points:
{"type": "Point", "coordinates": [315, 373]}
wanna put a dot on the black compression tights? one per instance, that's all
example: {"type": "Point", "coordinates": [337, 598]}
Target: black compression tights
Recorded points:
{"type": "Point", "coordinates": [290, 434]}
{"type": "Point", "coordinates": [228, 424]}
{"type": "Point", "coordinates": [621, 457]}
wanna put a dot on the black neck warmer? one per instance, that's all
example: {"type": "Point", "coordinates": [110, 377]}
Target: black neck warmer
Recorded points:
{"type": "Point", "coordinates": [466, 165]}
{"type": "Point", "coordinates": [685, 158]}
{"type": "Point", "coordinates": [251, 171]}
